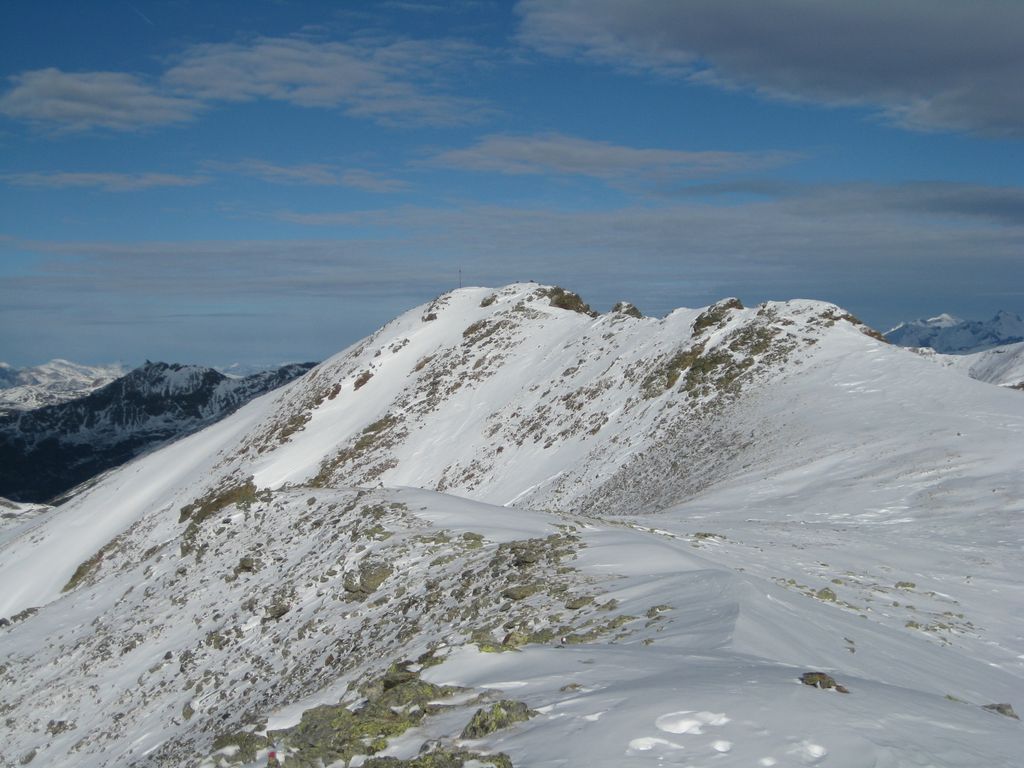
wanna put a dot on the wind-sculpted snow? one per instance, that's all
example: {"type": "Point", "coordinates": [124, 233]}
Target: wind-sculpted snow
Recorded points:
{"type": "Point", "coordinates": [642, 537]}
{"type": "Point", "coordinates": [13, 513]}
{"type": "Point", "coordinates": [1002, 366]}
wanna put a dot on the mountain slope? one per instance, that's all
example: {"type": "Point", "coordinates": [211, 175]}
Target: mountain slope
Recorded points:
{"type": "Point", "coordinates": [510, 384]}
{"type": "Point", "coordinates": [714, 529]}
{"type": "Point", "coordinates": [1002, 366]}
{"type": "Point", "coordinates": [48, 450]}
{"type": "Point", "coordinates": [951, 335]}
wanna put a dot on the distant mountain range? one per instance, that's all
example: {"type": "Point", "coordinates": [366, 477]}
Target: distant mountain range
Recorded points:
{"type": "Point", "coordinates": [951, 335]}
{"type": "Point", "coordinates": [57, 381]}
{"type": "Point", "coordinates": [50, 449]}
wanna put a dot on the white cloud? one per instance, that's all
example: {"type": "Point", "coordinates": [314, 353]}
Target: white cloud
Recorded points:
{"type": "Point", "coordinates": [569, 155]}
{"type": "Point", "coordinates": [925, 64]}
{"type": "Point", "coordinates": [393, 82]}
{"type": "Point", "coordinates": [73, 101]}
{"type": "Point", "coordinates": [314, 174]}
{"type": "Point", "coordinates": [110, 182]}
{"type": "Point", "coordinates": [831, 242]}
{"type": "Point", "coordinates": [368, 181]}
{"type": "Point", "coordinates": [387, 81]}
{"type": "Point", "coordinates": [874, 249]}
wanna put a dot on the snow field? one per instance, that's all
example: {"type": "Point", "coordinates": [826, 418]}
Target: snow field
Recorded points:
{"type": "Point", "coordinates": [857, 513]}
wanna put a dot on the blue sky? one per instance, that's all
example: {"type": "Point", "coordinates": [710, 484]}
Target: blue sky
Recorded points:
{"type": "Point", "coordinates": [264, 181]}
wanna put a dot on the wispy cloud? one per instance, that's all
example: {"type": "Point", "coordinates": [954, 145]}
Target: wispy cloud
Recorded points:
{"type": "Point", "coordinates": [77, 101]}
{"type": "Point", "coordinates": [554, 153]}
{"type": "Point", "coordinates": [369, 181]}
{"type": "Point", "coordinates": [924, 64]}
{"type": "Point", "coordinates": [948, 202]}
{"type": "Point", "coordinates": [109, 182]}
{"type": "Point", "coordinates": [816, 241]}
{"type": "Point", "coordinates": [416, 7]}
{"type": "Point", "coordinates": [313, 174]}
{"type": "Point", "coordinates": [391, 82]}
{"type": "Point", "coordinates": [387, 81]}
{"type": "Point", "coordinates": [141, 15]}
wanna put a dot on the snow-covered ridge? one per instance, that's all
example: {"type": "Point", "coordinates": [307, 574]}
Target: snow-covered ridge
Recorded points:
{"type": "Point", "coordinates": [951, 335]}
{"type": "Point", "coordinates": [57, 381]}
{"type": "Point", "coordinates": [724, 499]}
{"type": "Point", "coordinates": [504, 397]}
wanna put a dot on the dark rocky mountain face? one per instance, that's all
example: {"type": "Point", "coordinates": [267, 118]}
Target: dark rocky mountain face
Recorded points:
{"type": "Point", "coordinates": [49, 450]}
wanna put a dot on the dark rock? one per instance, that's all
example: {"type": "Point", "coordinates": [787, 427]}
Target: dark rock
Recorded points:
{"type": "Point", "coordinates": [1003, 709]}
{"type": "Point", "coordinates": [821, 680]}
{"type": "Point", "coordinates": [500, 715]}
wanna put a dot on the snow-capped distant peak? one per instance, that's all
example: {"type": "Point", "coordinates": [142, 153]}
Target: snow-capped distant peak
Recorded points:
{"type": "Point", "coordinates": [951, 335]}
{"type": "Point", "coordinates": [943, 321]}
{"type": "Point", "coordinates": [58, 381]}
{"type": "Point", "coordinates": [47, 450]}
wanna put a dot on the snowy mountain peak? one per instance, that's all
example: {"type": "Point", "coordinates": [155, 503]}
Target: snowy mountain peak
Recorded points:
{"type": "Point", "coordinates": [943, 321]}
{"type": "Point", "coordinates": [54, 382]}
{"type": "Point", "coordinates": [526, 370]}
{"type": "Point", "coordinates": [950, 335]}
{"type": "Point", "coordinates": [171, 378]}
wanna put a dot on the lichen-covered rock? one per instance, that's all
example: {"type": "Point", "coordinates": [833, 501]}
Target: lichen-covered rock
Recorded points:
{"type": "Point", "coordinates": [395, 702]}
{"type": "Point", "coordinates": [715, 314]}
{"type": "Point", "coordinates": [575, 603]}
{"type": "Point", "coordinates": [521, 591]}
{"type": "Point", "coordinates": [1003, 709]}
{"type": "Point", "coordinates": [499, 715]}
{"type": "Point", "coordinates": [373, 573]}
{"type": "Point", "coordinates": [369, 577]}
{"type": "Point", "coordinates": [330, 733]}
{"type": "Point", "coordinates": [57, 727]}
{"type": "Point", "coordinates": [625, 308]}
{"type": "Point", "coordinates": [276, 611]}
{"type": "Point", "coordinates": [515, 638]}
{"type": "Point", "coordinates": [247, 745]}
{"type": "Point", "coordinates": [821, 680]}
{"type": "Point", "coordinates": [397, 675]}
{"type": "Point", "coordinates": [826, 594]}
{"type": "Point", "coordinates": [564, 299]}
{"type": "Point", "coordinates": [442, 757]}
